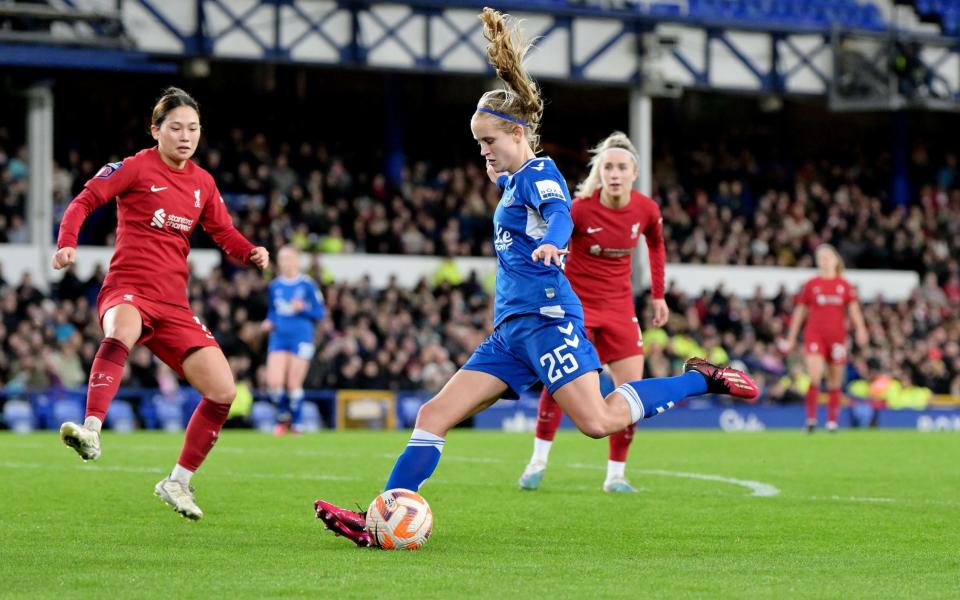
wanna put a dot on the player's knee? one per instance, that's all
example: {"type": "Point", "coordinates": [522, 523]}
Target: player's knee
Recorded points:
{"type": "Point", "coordinates": [429, 417]}
{"type": "Point", "coordinates": [593, 428]}
{"type": "Point", "coordinates": [224, 394]}
{"type": "Point", "coordinates": [126, 333]}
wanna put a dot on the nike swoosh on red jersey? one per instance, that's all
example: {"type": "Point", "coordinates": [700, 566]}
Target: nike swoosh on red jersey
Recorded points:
{"type": "Point", "coordinates": [154, 188]}
{"type": "Point", "coordinates": [594, 229]}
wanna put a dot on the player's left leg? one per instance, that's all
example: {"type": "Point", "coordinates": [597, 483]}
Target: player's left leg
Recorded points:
{"type": "Point", "coordinates": [549, 416]}
{"type": "Point", "coordinates": [467, 393]}
{"type": "Point", "coordinates": [276, 373]}
{"type": "Point", "coordinates": [815, 363]}
{"type": "Point", "coordinates": [297, 367]}
{"type": "Point", "coordinates": [623, 371]}
{"type": "Point", "coordinates": [835, 372]}
{"type": "Point", "coordinates": [208, 371]}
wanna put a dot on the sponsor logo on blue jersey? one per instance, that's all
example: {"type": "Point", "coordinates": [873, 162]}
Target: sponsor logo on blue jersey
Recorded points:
{"type": "Point", "coordinates": [503, 239]}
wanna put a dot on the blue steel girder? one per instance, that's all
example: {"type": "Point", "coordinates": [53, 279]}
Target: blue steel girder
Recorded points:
{"type": "Point", "coordinates": [806, 60]}
{"type": "Point", "coordinates": [762, 77]}
{"type": "Point", "coordinates": [392, 32]}
{"type": "Point", "coordinates": [192, 44]}
{"type": "Point", "coordinates": [367, 28]}
{"type": "Point", "coordinates": [313, 27]}
{"type": "Point", "coordinates": [577, 70]}
{"type": "Point", "coordinates": [462, 39]}
{"type": "Point", "coordinates": [239, 22]}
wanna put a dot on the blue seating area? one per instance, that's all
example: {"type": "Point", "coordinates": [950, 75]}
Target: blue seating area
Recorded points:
{"type": "Point", "coordinates": [948, 11]}
{"type": "Point", "coordinates": [792, 13]}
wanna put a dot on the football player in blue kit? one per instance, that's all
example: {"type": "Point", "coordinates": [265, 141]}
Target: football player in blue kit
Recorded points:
{"type": "Point", "coordinates": [295, 307]}
{"type": "Point", "coordinates": [538, 320]}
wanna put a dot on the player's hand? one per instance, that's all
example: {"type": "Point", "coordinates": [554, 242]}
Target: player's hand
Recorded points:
{"type": "Point", "coordinates": [660, 312]}
{"type": "Point", "coordinates": [494, 175]}
{"type": "Point", "coordinates": [785, 345]}
{"type": "Point", "coordinates": [549, 254]}
{"type": "Point", "coordinates": [266, 325]}
{"type": "Point", "coordinates": [64, 257]}
{"type": "Point", "coordinates": [260, 257]}
{"type": "Point", "coordinates": [862, 338]}
{"type": "Point", "coordinates": [297, 305]}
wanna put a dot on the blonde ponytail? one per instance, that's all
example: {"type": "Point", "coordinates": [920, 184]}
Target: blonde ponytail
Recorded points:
{"type": "Point", "coordinates": [519, 103]}
{"type": "Point", "coordinates": [617, 139]}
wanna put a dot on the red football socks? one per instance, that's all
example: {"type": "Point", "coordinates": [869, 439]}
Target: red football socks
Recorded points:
{"type": "Point", "coordinates": [105, 375]}
{"type": "Point", "coordinates": [833, 405]}
{"type": "Point", "coordinates": [620, 444]}
{"type": "Point", "coordinates": [810, 402]}
{"type": "Point", "coordinates": [549, 416]}
{"type": "Point", "coordinates": [202, 433]}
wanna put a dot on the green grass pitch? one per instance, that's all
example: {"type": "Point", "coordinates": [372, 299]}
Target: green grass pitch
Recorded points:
{"type": "Point", "coordinates": [858, 514]}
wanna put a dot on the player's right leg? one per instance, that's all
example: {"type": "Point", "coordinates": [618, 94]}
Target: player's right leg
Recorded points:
{"type": "Point", "coordinates": [815, 367]}
{"type": "Point", "coordinates": [122, 327]}
{"type": "Point", "coordinates": [468, 392]}
{"type": "Point", "coordinates": [835, 371]}
{"type": "Point", "coordinates": [549, 416]}
{"type": "Point", "coordinates": [276, 374]}
{"type": "Point", "coordinates": [597, 416]}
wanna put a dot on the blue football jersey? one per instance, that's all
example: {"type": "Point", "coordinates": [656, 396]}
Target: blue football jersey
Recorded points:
{"type": "Point", "coordinates": [286, 321]}
{"type": "Point", "coordinates": [525, 286]}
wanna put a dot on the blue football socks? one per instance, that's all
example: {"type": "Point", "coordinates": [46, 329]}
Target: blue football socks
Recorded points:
{"type": "Point", "coordinates": [418, 461]}
{"type": "Point", "coordinates": [648, 398]}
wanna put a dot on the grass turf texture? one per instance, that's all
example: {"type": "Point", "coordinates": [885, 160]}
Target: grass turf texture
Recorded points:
{"type": "Point", "coordinates": [859, 514]}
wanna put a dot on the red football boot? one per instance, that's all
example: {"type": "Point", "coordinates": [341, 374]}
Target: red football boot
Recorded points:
{"type": "Point", "coordinates": [724, 380]}
{"type": "Point", "coordinates": [342, 522]}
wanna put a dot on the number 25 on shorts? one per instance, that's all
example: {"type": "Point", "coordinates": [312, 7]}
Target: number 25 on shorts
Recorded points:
{"type": "Point", "coordinates": [566, 360]}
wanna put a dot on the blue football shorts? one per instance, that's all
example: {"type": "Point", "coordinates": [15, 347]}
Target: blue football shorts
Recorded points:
{"type": "Point", "coordinates": [529, 348]}
{"type": "Point", "coordinates": [301, 347]}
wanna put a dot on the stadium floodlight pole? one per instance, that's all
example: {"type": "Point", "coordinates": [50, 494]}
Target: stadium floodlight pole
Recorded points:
{"type": "Point", "coordinates": [40, 186]}
{"type": "Point", "coordinates": [641, 134]}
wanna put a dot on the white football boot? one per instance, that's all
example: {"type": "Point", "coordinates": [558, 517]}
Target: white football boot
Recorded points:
{"type": "Point", "coordinates": [179, 495]}
{"type": "Point", "coordinates": [618, 485]}
{"type": "Point", "coordinates": [532, 475]}
{"type": "Point", "coordinates": [85, 441]}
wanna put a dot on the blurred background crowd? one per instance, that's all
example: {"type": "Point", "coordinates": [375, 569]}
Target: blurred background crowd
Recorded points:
{"type": "Point", "coordinates": [719, 206]}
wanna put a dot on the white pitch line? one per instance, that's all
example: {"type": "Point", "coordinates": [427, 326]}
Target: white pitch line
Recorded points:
{"type": "Point", "coordinates": [855, 499]}
{"type": "Point", "coordinates": [158, 470]}
{"type": "Point", "coordinates": [757, 488]}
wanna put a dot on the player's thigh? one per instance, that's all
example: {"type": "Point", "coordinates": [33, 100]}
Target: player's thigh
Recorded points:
{"type": "Point", "coordinates": [835, 372]}
{"type": "Point", "coordinates": [626, 369]}
{"type": "Point", "coordinates": [467, 393]}
{"type": "Point", "coordinates": [297, 368]}
{"type": "Point", "coordinates": [123, 322]}
{"type": "Point", "coordinates": [208, 371]}
{"type": "Point", "coordinates": [593, 414]}
{"type": "Point", "coordinates": [815, 364]}
{"type": "Point", "coordinates": [277, 361]}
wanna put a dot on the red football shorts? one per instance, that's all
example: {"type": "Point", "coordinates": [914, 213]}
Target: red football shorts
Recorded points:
{"type": "Point", "coordinates": [169, 330]}
{"type": "Point", "coordinates": [832, 347]}
{"type": "Point", "coordinates": [615, 335]}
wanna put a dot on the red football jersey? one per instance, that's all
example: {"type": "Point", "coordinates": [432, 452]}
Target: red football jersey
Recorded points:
{"type": "Point", "coordinates": [602, 246]}
{"type": "Point", "coordinates": [826, 300]}
{"type": "Point", "coordinates": [157, 209]}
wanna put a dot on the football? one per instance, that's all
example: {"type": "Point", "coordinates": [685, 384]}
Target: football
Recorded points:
{"type": "Point", "coordinates": [399, 520]}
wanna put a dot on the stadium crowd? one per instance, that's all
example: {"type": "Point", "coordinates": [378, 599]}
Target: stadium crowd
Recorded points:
{"type": "Point", "coordinates": [728, 210]}
{"type": "Point", "coordinates": [414, 339]}
{"type": "Point", "coordinates": [720, 207]}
